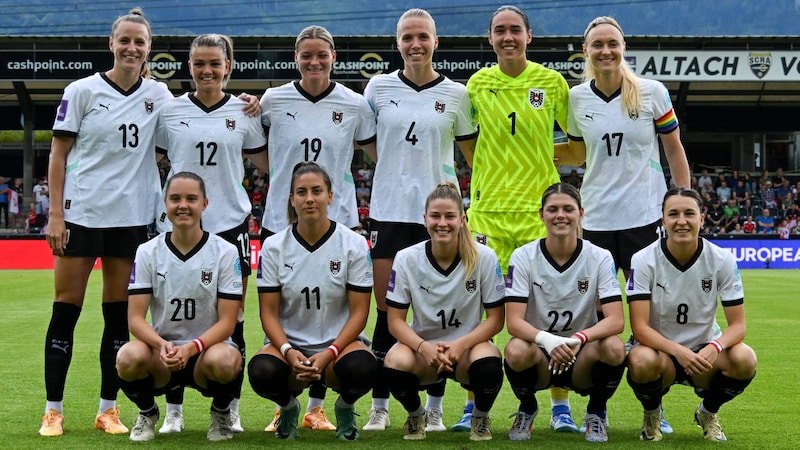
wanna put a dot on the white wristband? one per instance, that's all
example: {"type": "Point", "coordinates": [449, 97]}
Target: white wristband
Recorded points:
{"type": "Point", "coordinates": [550, 341]}
{"type": "Point", "coordinates": [285, 348]}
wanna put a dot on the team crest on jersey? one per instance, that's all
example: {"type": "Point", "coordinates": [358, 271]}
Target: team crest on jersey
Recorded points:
{"type": "Point", "coordinates": [633, 114]}
{"type": "Point", "coordinates": [336, 266]}
{"type": "Point", "coordinates": [231, 124]}
{"type": "Point", "coordinates": [148, 105]}
{"type": "Point", "coordinates": [373, 239]}
{"type": "Point", "coordinates": [583, 285]}
{"type": "Point", "coordinates": [471, 285]}
{"type": "Point", "coordinates": [337, 117]}
{"type": "Point", "coordinates": [536, 97]}
{"type": "Point", "coordinates": [706, 284]}
{"type": "Point", "coordinates": [205, 276]}
{"type": "Point", "coordinates": [482, 239]}
{"type": "Point", "coordinates": [439, 107]}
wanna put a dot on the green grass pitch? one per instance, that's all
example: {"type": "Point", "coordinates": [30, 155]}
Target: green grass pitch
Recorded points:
{"type": "Point", "coordinates": [764, 417]}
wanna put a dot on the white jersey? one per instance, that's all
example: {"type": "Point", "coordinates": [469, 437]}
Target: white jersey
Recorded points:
{"type": "Point", "coordinates": [683, 298]}
{"type": "Point", "coordinates": [562, 298]}
{"type": "Point", "coordinates": [320, 129]}
{"type": "Point", "coordinates": [416, 129]}
{"type": "Point", "coordinates": [446, 304]}
{"type": "Point", "coordinates": [209, 141]}
{"type": "Point", "coordinates": [185, 289]}
{"type": "Point", "coordinates": [313, 281]}
{"type": "Point", "coordinates": [111, 177]}
{"type": "Point", "coordinates": [623, 164]}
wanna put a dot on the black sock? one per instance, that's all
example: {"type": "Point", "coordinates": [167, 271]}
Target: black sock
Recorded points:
{"type": "Point", "coordinates": [317, 390]}
{"type": "Point", "coordinates": [649, 394]}
{"type": "Point", "coordinates": [523, 384]}
{"type": "Point", "coordinates": [485, 380]}
{"type": "Point", "coordinates": [58, 348]}
{"type": "Point", "coordinates": [238, 337]}
{"type": "Point", "coordinates": [139, 392]}
{"type": "Point", "coordinates": [221, 395]}
{"type": "Point", "coordinates": [404, 387]}
{"type": "Point", "coordinates": [115, 335]}
{"type": "Point", "coordinates": [606, 379]}
{"type": "Point", "coordinates": [174, 395]}
{"type": "Point", "coordinates": [357, 372]}
{"type": "Point", "coordinates": [436, 389]}
{"type": "Point", "coordinates": [723, 389]}
{"type": "Point", "coordinates": [382, 341]}
{"type": "Point", "coordinates": [269, 378]}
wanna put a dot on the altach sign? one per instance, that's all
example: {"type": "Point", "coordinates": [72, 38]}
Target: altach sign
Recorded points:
{"type": "Point", "coordinates": [359, 65]}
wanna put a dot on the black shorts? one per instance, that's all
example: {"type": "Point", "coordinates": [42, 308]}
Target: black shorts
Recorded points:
{"type": "Point", "coordinates": [681, 377]}
{"type": "Point", "coordinates": [388, 238]}
{"type": "Point", "coordinates": [240, 237]}
{"type": "Point", "coordinates": [120, 242]}
{"type": "Point", "coordinates": [624, 243]}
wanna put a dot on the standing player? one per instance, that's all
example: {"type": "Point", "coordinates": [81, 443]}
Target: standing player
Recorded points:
{"type": "Point", "coordinates": [552, 288]}
{"type": "Point", "coordinates": [674, 290]}
{"type": "Point", "coordinates": [314, 285]}
{"type": "Point", "coordinates": [615, 124]}
{"type": "Point", "coordinates": [420, 112]}
{"type": "Point", "coordinates": [104, 130]}
{"type": "Point", "coordinates": [449, 281]}
{"type": "Point", "coordinates": [190, 282]}
{"type": "Point", "coordinates": [314, 119]}
{"type": "Point", "coordinates": [208, 133]}
{"type": "Point", "coordinates": [516, 104]}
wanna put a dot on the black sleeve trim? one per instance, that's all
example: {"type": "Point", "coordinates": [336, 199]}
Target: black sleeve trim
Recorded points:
{"type": "Point", "coordinates": [237, 297]}
{"type": "Point", "coordinates": [397, 305]}
{"type": "Point", "coordinates": [467, 137]}
{"type": "Point", "coordinates": [269, 289]}
{"type": "Point", "coordinates": [354, 288]}
{"type": "Point", "coordinates": [64, 133]}
{"type": "Point", "coordinates": [574, 138]}
{"type": "Point", "coordinates": [736, 302]}
{"type": "Point", "coordinates": [140, 291]}
{"type": "Point", "coordinates": [612, 299]}
{"type": "Point", "coordinates": [374, 138]}
{"type": "Point", "coordinates": [496, 304]}
{"type": "Point", "coordinates": [638, 297]}
{"type": "Point", "coordinates": [514, 299]}
{"type": "Point", "coordinates": [255, 151]}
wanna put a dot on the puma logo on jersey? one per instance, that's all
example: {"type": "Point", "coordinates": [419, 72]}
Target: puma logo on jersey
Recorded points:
{"type": "Point", "coordinates": [395, 103]}
{"type": "Point", "coordinates": [291, 267]}
{"type": "Point", "coordinates": [539, 285]}
{"type": "Point", "coordinates": [186, 124]}
{"type": "Point", "coordinates": [292, 115]}
{"type": "Point", "coordinates": [426, 289]}
{"type": "Point", "coordinates": [162, 275]}
{"type": "Point", "coordinates": [590, 116]}
{"type": "Point", "coordinates": [63, 348]}
{"type": "Point", "coordinates": [661, 286]}
{"type": "Point", "coordinates": [104, 106]}
{"type": "Point", "coordinates": [493, 92]}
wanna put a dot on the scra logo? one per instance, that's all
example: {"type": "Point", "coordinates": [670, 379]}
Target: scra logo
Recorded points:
{"type": "Point", "coordinates": [163, 66]}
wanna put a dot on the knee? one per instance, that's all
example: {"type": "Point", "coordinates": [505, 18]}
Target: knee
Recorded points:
{"type": "Point", "coordinates": [357, 367]}
{"type": "Point", "coordinates": [612, 351]}
{"type": "Point", "coordinates": [131, 360]}
{"type": "Point", "coordinates": [516, 353]}
{"type": "Point", "coordinates": [742, 361]}
{"type": "Point", "coordinates": [400, 357]}
{"type": "Point", "coordinates": [222, 363]}
{"type": "Point", "coordinates": [642, 363]}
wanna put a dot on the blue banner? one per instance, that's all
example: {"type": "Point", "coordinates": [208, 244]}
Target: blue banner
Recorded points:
{"type": "Point", "coordinates": [763, 253]}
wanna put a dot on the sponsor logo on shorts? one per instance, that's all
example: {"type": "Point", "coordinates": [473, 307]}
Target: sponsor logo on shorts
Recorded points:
{"type": "Point", "coordinates": [373, 238]}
